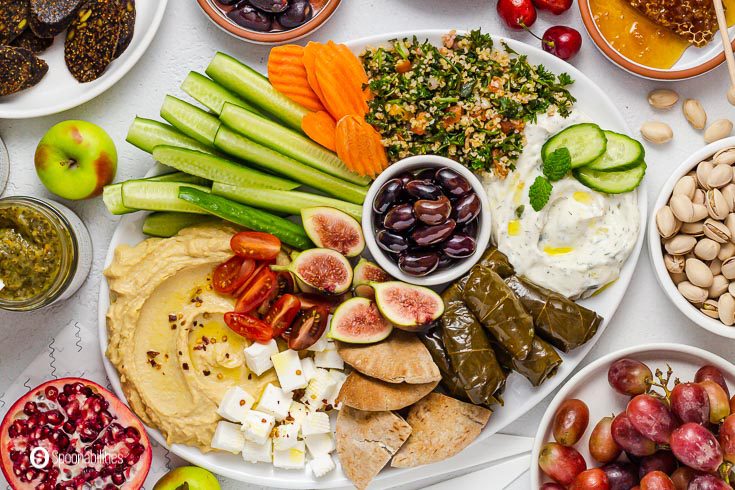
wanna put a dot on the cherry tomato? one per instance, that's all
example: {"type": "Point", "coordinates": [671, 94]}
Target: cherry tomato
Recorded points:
{"type": "Point", "coordinates": [249, 327]}
{"type": "Point", "coordinates": [281, 315]}
{"type": "Point", "coordinates": [309, 300]}
{"type": "Point", "coordinates": [309, 327]}
{"type": "Point", "coordinates": [594, 479]}
{"type": "Point", "coordinates": [231, 275]}
{"type": "Point", "coordinates": [286, 283]}
{"type": "Point", "coordinates": [255, 245]}
{"type": "Point", "coordinates": [517, 14]}
{"type": "Point", "coordinates": [556, 7]}
{"type": "Point", "coordinates": [570, 422]}
{"type": "Point", "coordinates": [657, 480]}
{"type": "Point", "coordinates": [562, 41]}
{"type": "Point", "coordinates": [258, 290]}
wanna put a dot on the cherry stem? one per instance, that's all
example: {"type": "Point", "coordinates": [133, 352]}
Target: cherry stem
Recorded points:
{"type": "Point", "coordinates": [527, 29]}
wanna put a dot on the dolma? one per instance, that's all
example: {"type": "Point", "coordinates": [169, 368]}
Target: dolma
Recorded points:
{"type": "Point", "coordinates": [541, 364]}
{"type": "Point", "coordinates": [497, 261]}
{"type": "Point", "coordinates": [498, 309]}
{"type": "Point", "coordinates": [470, 353]}
{"type": "Point", "coordinates": [557, 319]}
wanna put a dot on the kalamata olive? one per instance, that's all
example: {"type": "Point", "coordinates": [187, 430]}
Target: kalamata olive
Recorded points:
{"type": "Point", "coordinates": [426, 236]}
{"type": "Point", "coordinates": [453, 184]}
{"type": "Point", "coordinates": [391, 242]}
{"type": "Point", "coordinates": [432, 212]}
{"type": "Point", "coordinates": [469, 229]}
{"type": "Point", "coordinates": [466, 208]}
{"type": "Point", "coordinates": [421, 189]}
{"type": "Point", "coordinates": [400, 218]}
{"type": "Point", "coordinates": [418, 264]}
{"type": "Point", "coordinates": [459, 246]}
{"type": "Point", "coordinates": [444, 261]}
{"type": "Point", "coordinates": [426, 174]}
{"type": "Point", "coordinates": [251, 18]}
{"type": "Point", "coordinates": [270, 6]}
{"type": "Point", "coordinates": [297, 14]}
{"type": "Point", "coordinates": [388, 195]}
{"type": "Point", "coordinates": [229, 2]}
{"type": "Point", "coordinates": [405, 178]}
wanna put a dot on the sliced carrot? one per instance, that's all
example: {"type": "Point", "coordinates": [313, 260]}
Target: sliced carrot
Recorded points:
{"type": "Point", "coordinates": [352, 61]}
{"type": "Point", "coordinates": [360, 147]}
{"type": "Point", "coordinates": [341, 95]}
{"type": "Point", "coordinates": [309, 60]}
{"type": "Point", "coordinates": [288, 75]}
{"type": "Point", "coordinates": [322, 128]}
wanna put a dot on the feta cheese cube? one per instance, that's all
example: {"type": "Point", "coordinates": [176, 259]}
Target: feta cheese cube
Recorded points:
{"type": "Point", "coordinates": [321, 465]}
{"type": "Point", "coordinates": [258, 453]}
{"type": "Point", "coordinates": [258, 356]}
{"type": "Point", "coordinates": [289, 371]}
{"type": "Point", "coordinates": [297, 412]}
{"type": "Point", "coordinates": [320, 344]}
{"type": "Point", "coordinates": [319, 444]}
{"type": "Point", "coordinates": [235, 404]}
{"type": "Point", "coordinates": [319, 390]}
{"type": "Point", "coordinates": [257, 426]}
{"type": "Point", "coordinates": [227, 437]}
{"type": "Point", "coordinates": [291, 459]}
{"type": "Point", "coordinates": [275, 402]}
{"type": "Point", "coordinates": [308, 368]}
{"type": "Point", "coordinates": [339, 377]}
{"type": "Point", "coordinates": [329, 358]}
{"type": "Point", "coordinates": [285, 436]}
{"type": "Point", "coordinates": [316, 423]}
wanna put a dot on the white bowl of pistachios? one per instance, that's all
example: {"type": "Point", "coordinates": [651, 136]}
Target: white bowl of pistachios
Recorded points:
{"type": "Point", "coordinates": [691, 237]}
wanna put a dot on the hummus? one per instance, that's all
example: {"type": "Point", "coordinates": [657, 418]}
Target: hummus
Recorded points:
{"type": "Point", "coordinates": [167, 337]}
{"type": "Point", "coordinates": [579, 241]}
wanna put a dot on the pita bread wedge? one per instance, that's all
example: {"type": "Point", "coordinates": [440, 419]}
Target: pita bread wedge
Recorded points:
{"type": "Point", "coordinates": [366, 441]}
{"type": "Point", "coordinates": [440, 428]}
{"type": "Point", "coordinates": [401, 358]}
{"type": "Point", "coordinates": [373, 395]}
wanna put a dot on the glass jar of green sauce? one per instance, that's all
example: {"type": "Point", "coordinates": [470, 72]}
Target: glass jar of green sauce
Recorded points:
{"type": "Point", "coordinates": [45, 253]}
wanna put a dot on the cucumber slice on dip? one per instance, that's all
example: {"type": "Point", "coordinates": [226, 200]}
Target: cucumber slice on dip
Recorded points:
{"type": "Point", "coordinates": [586, 143]}
{"type": "Point", "coordinates": [622, 153]}
{"type": "Point", "coordinates": [611, 182]}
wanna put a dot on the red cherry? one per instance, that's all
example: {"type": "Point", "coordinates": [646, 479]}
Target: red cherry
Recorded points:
{"type": "Point", "coordinates": [556, 7]}
{"type": "Point", "coordinates": [562, 41]}
{"type": "Point", "coordinates": [518, 14]}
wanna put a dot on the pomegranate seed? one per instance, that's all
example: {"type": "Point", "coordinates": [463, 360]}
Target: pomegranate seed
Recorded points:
{"type": "Point", "coordinates": [30, 408]}
{"type": "Point", "coordinates": [68, 389]}
{"type": "Point", "coordinates": [118, 478]}
{"type": "Point", "coordinates": [54, 417]}
{"type": "Point", "coordinates": [132, 433]}
{"type": "Point", "coordinates": [15, 455]}
{"type": "Point", "coordinates": [69, 428]}
{"type": "Point", "coordinates": [62, 440]}
{"type": "Point", "coordinates": [51, 392]}
{"type": "Point", "coordinates": [110, 486]}
{"type": "Point", "coordinates": [63, 399]}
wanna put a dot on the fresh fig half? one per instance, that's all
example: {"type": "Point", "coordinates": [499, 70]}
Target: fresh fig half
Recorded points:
{"type": "Point", "coordinates": [358, 321]}
{"type": "Point", "coordinates": [366, 272]}
{"type": "Point", "coordinates": [327, 271]}
{"type": "Point", "coordinates": [334, 229]}
{"type": "Point", "coordinates": [407, 306]}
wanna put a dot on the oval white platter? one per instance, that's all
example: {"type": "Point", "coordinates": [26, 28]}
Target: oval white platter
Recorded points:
{"type": "Point", "coordinates": [58, 91]}
{"type": "Point", "coordinates": [590, 385]}
{"type": "Point", "coordinates": [519, 395]}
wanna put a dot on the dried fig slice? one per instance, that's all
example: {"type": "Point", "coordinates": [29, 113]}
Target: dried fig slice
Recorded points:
{"type": "Point", "coordinates": [92, 38]}
{"type": "Point", "coordinates": [127, 27]}
{"type": "Point", "coordinates": [29, 40]}
{"type": "Point", "coordinates": [16, 69]}
{"type": "Point", "coordinates": [13, 19]}
{"type": "Point", "coordinates": [39, 68]}
{"type": "Point", "coordinates": [49, 17]}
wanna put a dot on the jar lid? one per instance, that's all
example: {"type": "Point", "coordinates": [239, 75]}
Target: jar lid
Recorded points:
{"type": "Point", "coordinates": [4, 166]}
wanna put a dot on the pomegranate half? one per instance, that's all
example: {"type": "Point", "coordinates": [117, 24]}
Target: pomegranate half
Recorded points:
{"type": "Point", "coordinates": [71, 433]}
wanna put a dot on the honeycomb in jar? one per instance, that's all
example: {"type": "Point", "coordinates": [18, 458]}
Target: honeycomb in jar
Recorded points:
{"type": "Point", "coordinates": [693, 20]}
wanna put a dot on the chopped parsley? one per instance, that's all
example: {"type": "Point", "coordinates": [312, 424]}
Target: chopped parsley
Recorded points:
{"type": "Point", "coordinates": [465, 100]}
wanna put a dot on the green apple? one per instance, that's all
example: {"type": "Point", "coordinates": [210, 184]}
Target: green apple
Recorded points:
{"type": "Point", "coordinates": [187, 478]}
{"type": "Point", "coordinates": [76, 159]}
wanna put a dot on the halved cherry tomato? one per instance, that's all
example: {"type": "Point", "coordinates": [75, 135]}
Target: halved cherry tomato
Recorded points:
{"type": "Point", "coordinates": [255, 245]}
{"type": "Point", "coordinates": [231, 275]}
{"type": "Point", "coordinates": [286, 283]}
{"type": "Point", "coordinates": [310, 300]}
{"type": "Point", "coordinates": [249, 327]}
{"type": "Point", "coordinates": [282, 314]}
{"type": "Point", "coordinates": [309, 327]}
{"type": "Point", "coordinates": [257, 291]}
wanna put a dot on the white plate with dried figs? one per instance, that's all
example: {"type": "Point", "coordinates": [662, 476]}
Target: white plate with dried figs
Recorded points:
{"type": "Point", "coordinates": [59, 91]}
{"type": "Point", "coordinates": [691, 237]}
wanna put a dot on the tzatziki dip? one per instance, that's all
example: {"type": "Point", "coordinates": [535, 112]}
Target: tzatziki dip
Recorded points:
{"type": "Point", "coordinates": [579, 241]}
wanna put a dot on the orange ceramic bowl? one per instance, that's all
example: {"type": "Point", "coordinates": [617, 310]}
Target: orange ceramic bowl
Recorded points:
{"type": "Point", "coordinates": [217, 15]}
{"type": "Point", "coordinates": [697, 63]}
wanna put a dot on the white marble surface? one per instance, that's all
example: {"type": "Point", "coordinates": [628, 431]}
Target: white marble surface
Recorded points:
{"type": "Point", "coordinates": [187, 40]}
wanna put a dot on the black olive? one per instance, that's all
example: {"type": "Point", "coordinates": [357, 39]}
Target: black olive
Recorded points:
{"type": "Point", "coordinates": [400, 218]}
{"type": "Point", "coordinates": [466, 208]}
{"type": "Point", "coordinates": [387, 196]}
{"type": "Point", "coordinates": [425, 236]}
{"type": "Point", "coordinates": [432, 212]}
{"type": "Point", "coordinates": [420, 189]}
{"type": "Point", "coordinates": [470, 228]}
{"type": "Point", "coordinates": [251, 18]}
{"type": "Point", "coordinates": [453, 184]}
{"type": "Point", "coordinates": [228, 2]}
{"type": "Point", "coordinates": [426, 174]}
{"type": "Point", "coordinates": [418, 264]}
{"type": "Point", "coordinates": [297, 14]}
{"type": "Point", "coordinates": [405, 178]}
{"type": "Point", "coordinates": [391, 242]}
{"type": "Point", "coordinates": [444, 261]}
{"type": "Point", "coordinates": [270, 6]}
{"type": "Point", "coordinates": [459, 246]}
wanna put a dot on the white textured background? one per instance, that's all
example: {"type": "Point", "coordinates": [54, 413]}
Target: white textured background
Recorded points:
{"type": "Point", "coordinates": [187, 40]}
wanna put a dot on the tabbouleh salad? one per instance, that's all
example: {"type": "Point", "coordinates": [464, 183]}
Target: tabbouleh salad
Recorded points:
{"type": "Point", "coordinates": [464, 100]}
